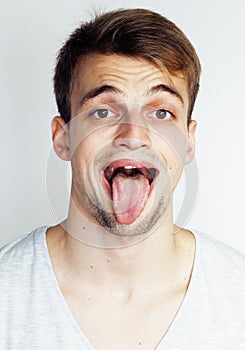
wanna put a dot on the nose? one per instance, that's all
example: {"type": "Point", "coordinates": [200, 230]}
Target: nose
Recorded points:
{"type": "Point", "coordinates": [132, 136]}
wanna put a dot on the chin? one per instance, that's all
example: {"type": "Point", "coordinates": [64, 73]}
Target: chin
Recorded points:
{"type": "Point", "coordinates": [145, 224]}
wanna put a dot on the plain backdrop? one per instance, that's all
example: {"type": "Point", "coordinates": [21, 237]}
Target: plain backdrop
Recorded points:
{"type": "Point", "coordinates": [31, 32]}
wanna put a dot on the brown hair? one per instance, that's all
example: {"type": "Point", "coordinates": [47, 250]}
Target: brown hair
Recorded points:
{"type": "Point", "coordinates": [131, 32]}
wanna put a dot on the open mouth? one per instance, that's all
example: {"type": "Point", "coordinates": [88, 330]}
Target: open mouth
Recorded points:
{"type": "Point", "coordinates": [130, 184]}
{"type": "Point", "coordinates": [129, 171]}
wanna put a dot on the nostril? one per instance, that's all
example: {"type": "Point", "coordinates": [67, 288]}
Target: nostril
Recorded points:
{"type": "Point", "coordinates": [132, 136]}
{"type": "Point", "coordinates": [131, 143]}
{"type": "Point", "coordinates": [123, 144]}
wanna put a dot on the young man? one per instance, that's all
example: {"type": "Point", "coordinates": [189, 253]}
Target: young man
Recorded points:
{"type": "Point", "coordinates": [117, 274]}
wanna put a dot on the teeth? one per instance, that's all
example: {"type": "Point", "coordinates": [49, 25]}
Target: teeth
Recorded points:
{"type": "Point", "coordinates": [129, 167]}
{"type": "Point", "coordinates": [130, 170]}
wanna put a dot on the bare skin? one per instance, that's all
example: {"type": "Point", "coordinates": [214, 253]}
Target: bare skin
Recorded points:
{"type": "Point", "coordinates": [123, 298]}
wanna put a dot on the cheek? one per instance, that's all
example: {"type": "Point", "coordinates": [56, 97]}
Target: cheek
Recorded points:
{"type": "Point", "coordinates": [86, 137]}
{"type": "Point", "coordinates": [175, 171]}
{"type": "Point", "coordinates": [174, 164]}
{"type": "Point", "coordinates": [171, 148]}
{"type": "Point", "coordinates": [172, 141]}
{"type": "Point", "coordinates": [81, 154]}
{"type": "Point", "coordinates": [83, 150]}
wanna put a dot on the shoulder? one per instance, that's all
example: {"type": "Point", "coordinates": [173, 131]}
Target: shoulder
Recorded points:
{"type": "Point", "coordinates": [14, 254]}
{"type": "Point", "coordinates": [222, 264]}
{"type": "Point", "coordinates": [217, 250]}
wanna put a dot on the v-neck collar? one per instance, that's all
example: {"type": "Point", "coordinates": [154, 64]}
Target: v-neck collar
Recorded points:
{"type": "Point", "coordinates": [183, 308]}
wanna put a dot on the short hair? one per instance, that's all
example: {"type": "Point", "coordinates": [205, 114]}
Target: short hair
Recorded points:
{"type": "Point", "coordinates": [137, 33]}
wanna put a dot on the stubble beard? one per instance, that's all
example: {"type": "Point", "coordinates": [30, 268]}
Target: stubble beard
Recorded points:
{"type": "Point", "coordinates": [98, 207]}
{"type": "Point", "coordinates": [142, 225]}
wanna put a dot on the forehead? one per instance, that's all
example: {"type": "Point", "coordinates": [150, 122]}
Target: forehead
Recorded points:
{"type": "Point", "coordinates": [133, 76]}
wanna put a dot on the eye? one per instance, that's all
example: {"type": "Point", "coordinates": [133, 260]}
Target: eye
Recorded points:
{"type": "Point", "coordinates": [162, 114]}
{"type": "Point", "coordinates": [103, 113]}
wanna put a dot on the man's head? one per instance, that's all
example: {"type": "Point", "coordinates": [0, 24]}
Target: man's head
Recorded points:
{"type": "Point", "coordinates": [135, 33]}
{"type": "Point", "coordinates": [126, 84]}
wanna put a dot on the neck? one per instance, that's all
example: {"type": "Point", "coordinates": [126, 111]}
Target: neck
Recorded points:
{"type": "Point", "coordinates": [130, 261]}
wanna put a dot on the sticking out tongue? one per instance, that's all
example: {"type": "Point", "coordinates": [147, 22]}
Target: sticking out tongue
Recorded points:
{"type": "Point", "coordinates": [129, 195]}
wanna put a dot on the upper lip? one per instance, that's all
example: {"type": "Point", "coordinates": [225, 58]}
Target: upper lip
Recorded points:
{"type": "Point", "coordinates": [137, 167]}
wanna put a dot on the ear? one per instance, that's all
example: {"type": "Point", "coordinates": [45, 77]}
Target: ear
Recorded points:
{"type": "Point", "coordinates": [60, 137]}
{"type": "Point", "coordinates": [191, 141]}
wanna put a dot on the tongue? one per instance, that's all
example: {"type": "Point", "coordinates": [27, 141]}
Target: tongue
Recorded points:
{"type": "Point", "coordinates": [129, 195]}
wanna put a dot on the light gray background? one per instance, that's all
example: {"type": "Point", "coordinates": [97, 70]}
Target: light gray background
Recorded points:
{"type": "Point", "coordinates": [31, 32]}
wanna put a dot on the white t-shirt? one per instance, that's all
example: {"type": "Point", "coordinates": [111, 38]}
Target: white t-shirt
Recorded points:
{"type": "Point", "coordinates": [34, 314]}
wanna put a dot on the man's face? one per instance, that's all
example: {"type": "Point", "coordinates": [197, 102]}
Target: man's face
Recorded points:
{"type": "Point", "coordinates": [128, 141]}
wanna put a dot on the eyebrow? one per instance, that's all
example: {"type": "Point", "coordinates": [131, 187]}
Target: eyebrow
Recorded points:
{"type": "Point", "coordinates": [98, 91]}
{"type": "Point", "coordinates": [165, 88]}
{"type": "Point", "coordinates": [112, 89]}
